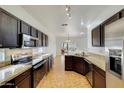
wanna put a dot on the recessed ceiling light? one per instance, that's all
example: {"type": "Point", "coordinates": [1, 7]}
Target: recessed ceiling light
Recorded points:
{"type": "Point", "coordinates": [66, 9]}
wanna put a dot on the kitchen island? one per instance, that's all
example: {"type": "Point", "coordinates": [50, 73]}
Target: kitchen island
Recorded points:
{"type": "Point", "coordinates": [91, 66]}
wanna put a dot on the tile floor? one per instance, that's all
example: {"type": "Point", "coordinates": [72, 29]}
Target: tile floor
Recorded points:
{"type": "Point", "coordinates": [59, 78]}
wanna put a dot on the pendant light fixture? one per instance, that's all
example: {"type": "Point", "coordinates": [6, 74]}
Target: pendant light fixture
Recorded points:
{"type": "Point", "coordinates": [68, 11]}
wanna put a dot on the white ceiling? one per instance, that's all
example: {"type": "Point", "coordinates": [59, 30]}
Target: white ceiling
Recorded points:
{"type": "Point", "coordinates": [52, 16]}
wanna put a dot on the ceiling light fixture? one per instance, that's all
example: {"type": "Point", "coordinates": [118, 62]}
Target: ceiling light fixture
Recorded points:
{"type": "Point", "coordinates": [68, 11]}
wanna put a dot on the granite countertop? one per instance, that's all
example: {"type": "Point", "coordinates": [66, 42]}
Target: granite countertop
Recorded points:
{"type": "Point", "coordinates": [10, 72]}
{"type": "Point", "coordinates": [98, 60]}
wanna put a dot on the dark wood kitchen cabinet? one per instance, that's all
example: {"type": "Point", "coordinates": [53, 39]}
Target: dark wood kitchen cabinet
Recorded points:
{"type": "Point", "coordinates": [122, 13]}
{"type": "Point", "coordinates": [102, 35]}
{"type": "Point", "coordinates": [8, 30]}
{"type": "Point", "coordinates": [25, 28]}
{"type": "Point", "coordinates": [74, 63]}
{"type": "Point", "coordinates": [96, 36]}
{"type": "Point", "coordinates": [23, 80]}
{"type": "Point", "coordinates": [43, 42]}
{"type": "Point", "coordinates": [99, 78]}
{"type": "Point", "coordinates": [46, 40]}
{"type": "Point", "coordinates": [68, 63]}
{"type": "Point", "coordinates": [112, 19]}
{"type": "Point", "coordinates": [40, 38]}
{"type": "Point", "coordinates": [34, 32]}
{"type": "Point", "coordinates": [79, 65]}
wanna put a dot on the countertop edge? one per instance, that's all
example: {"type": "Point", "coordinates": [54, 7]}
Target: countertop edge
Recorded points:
{"type": "Point", "coordinates": [5, 81]}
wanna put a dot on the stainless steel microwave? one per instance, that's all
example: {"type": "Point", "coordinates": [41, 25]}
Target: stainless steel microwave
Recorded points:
{"type": "Point", "coordinates": [28, 41]}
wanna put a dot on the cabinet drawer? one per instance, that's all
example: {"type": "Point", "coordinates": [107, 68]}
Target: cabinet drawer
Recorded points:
{"type": "Point", "coordinates": [25, 83]}
{"type": "Point", "coordinates": [22, 76]}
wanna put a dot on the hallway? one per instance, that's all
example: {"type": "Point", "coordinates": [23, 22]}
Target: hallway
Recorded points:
{"type": "Point", "coordinates": [59, 78]}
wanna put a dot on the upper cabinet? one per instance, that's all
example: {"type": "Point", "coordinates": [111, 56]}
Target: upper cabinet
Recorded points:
{"type": "Point", "coordinates": [40, 38]}
{"type": "Point", "coordinates": [46, 40]}
{"type": "Point", "coordinates": [8, 30]}
{"type": "Point", "coordinates": [122, 13]}
{"type": "Point", "coordinates": [11, 27]}
{"type": "Point", "coordinates": [96, 36]}
{"type": "Point", "coordinates": [98, 33]}
{"type": "Point", "coordinates": [112, 19]}
{"type": "Point", "coordinates": [34, 32]}
{"type": "Point", "coordinates": [25, 28]}
{"type": "Point", "coordinates": [43, 37]}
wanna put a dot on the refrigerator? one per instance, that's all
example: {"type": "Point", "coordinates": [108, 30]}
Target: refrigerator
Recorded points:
{"type": "Point", "coordinates": [114, 51]}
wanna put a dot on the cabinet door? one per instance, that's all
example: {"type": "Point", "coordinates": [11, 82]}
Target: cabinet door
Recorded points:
{"type": "Point", "coordinates": [99, 80]}
{"type": "Point", "coordinates": [96, 36]}
{"type": "Point", "coordinates": [1, 44]}
{"type": "Point", "coordinates": [68, 63]}
{"type": "Point", "coordinates": [40, 38]}
{"type": "Point", "coordinates": [112, 19]}
{"type": "Point", "coordinates": [25, 83]}
{"type": "Point", "coordinates": [46, 40]}
{"type": "Point", "coordinates": [102, 35]}
{"type": "Point", "coordinates": [9, 31]}
{"type": "Point", "coordinates": [122, 13]}
{"type": "Point", "coordinates": [25, 28]}
{"type": "Point", "coordinates": [43, 37]}
{"type": "Point", "coordinates": [79, 65]}
{"type": "Point", "coordinates": [34, 32]}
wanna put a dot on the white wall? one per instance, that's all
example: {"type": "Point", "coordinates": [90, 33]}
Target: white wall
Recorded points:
{"type": "Point", "coordinates": [81, 43]}
{"type": "Point", "coordinates": [19, 12]}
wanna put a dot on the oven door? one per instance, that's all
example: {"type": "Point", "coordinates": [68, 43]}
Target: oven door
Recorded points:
{"type": "Point", "coordinates": [115, 66]}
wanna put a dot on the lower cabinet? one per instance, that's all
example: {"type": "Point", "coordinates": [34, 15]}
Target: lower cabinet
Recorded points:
{"type": "Point", "coordinates": [99, 78]}
{"type": "Point", "coordinates": [95, 75]}
{"type": "Point", "coordinates": [76, 64]}
{"type": "Point", "coordinates": [25, 83]}
{"type": "Point", "coordinates": [23, 80]}
{"type": "Point", "coordinates": [68, 62]}
{"type": "Point", "coordinates": [78, 67]}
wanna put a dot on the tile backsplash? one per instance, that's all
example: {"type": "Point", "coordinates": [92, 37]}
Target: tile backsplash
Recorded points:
{"type": "Point", "coordinates": [5, 54]}
{"type": "Point", "coordinates": [2, 55]}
